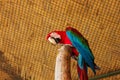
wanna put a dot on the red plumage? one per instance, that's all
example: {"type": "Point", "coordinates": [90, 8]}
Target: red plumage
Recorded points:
{"type": "Point", "coordinates": [82, 72]}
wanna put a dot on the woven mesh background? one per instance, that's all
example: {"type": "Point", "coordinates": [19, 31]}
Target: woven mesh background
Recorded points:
{"type": "Point", "coordinates": [24, 52]}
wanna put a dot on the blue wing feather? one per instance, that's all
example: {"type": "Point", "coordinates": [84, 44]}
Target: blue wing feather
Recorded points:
{"type": "Point", "coordinates": [82, 48]}
{"type": "Point", "coordinates": [80, 61]}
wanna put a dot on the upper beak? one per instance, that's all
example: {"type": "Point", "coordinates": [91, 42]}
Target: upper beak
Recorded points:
{"type": "Point", "coordinates": [52, 40]}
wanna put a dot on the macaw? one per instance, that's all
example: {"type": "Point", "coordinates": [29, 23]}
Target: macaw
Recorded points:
{"type": "Point", "coordinates": [80, 49]}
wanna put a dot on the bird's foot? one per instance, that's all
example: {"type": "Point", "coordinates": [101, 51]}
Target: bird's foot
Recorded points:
{"type": "Point", "coordinates": [97, 67]}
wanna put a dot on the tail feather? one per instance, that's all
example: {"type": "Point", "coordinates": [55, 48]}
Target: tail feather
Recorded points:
{"type": "Point", "coordinates": [82, 73]}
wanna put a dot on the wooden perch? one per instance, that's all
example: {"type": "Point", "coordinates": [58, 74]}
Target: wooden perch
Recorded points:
{"type": "Point", "coordinates": [62, 68]}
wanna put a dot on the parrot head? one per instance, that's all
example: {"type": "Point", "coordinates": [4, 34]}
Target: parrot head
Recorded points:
{"type": "Point", "coordinates": [54, 37]}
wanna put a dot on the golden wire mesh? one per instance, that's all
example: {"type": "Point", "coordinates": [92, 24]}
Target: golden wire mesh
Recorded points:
{"type": "Point", "coordinates": [25, 23]}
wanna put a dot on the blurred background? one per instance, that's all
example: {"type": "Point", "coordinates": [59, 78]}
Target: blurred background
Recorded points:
{"type": "Point", "coordinates": [25, 54]}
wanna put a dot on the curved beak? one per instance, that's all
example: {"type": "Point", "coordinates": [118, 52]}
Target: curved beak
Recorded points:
{"type": "Point", "coordinates": [52, 40]}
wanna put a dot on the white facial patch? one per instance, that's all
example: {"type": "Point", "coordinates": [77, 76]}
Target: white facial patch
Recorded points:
{"type": "Point", "coordinates": [55, 35]}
